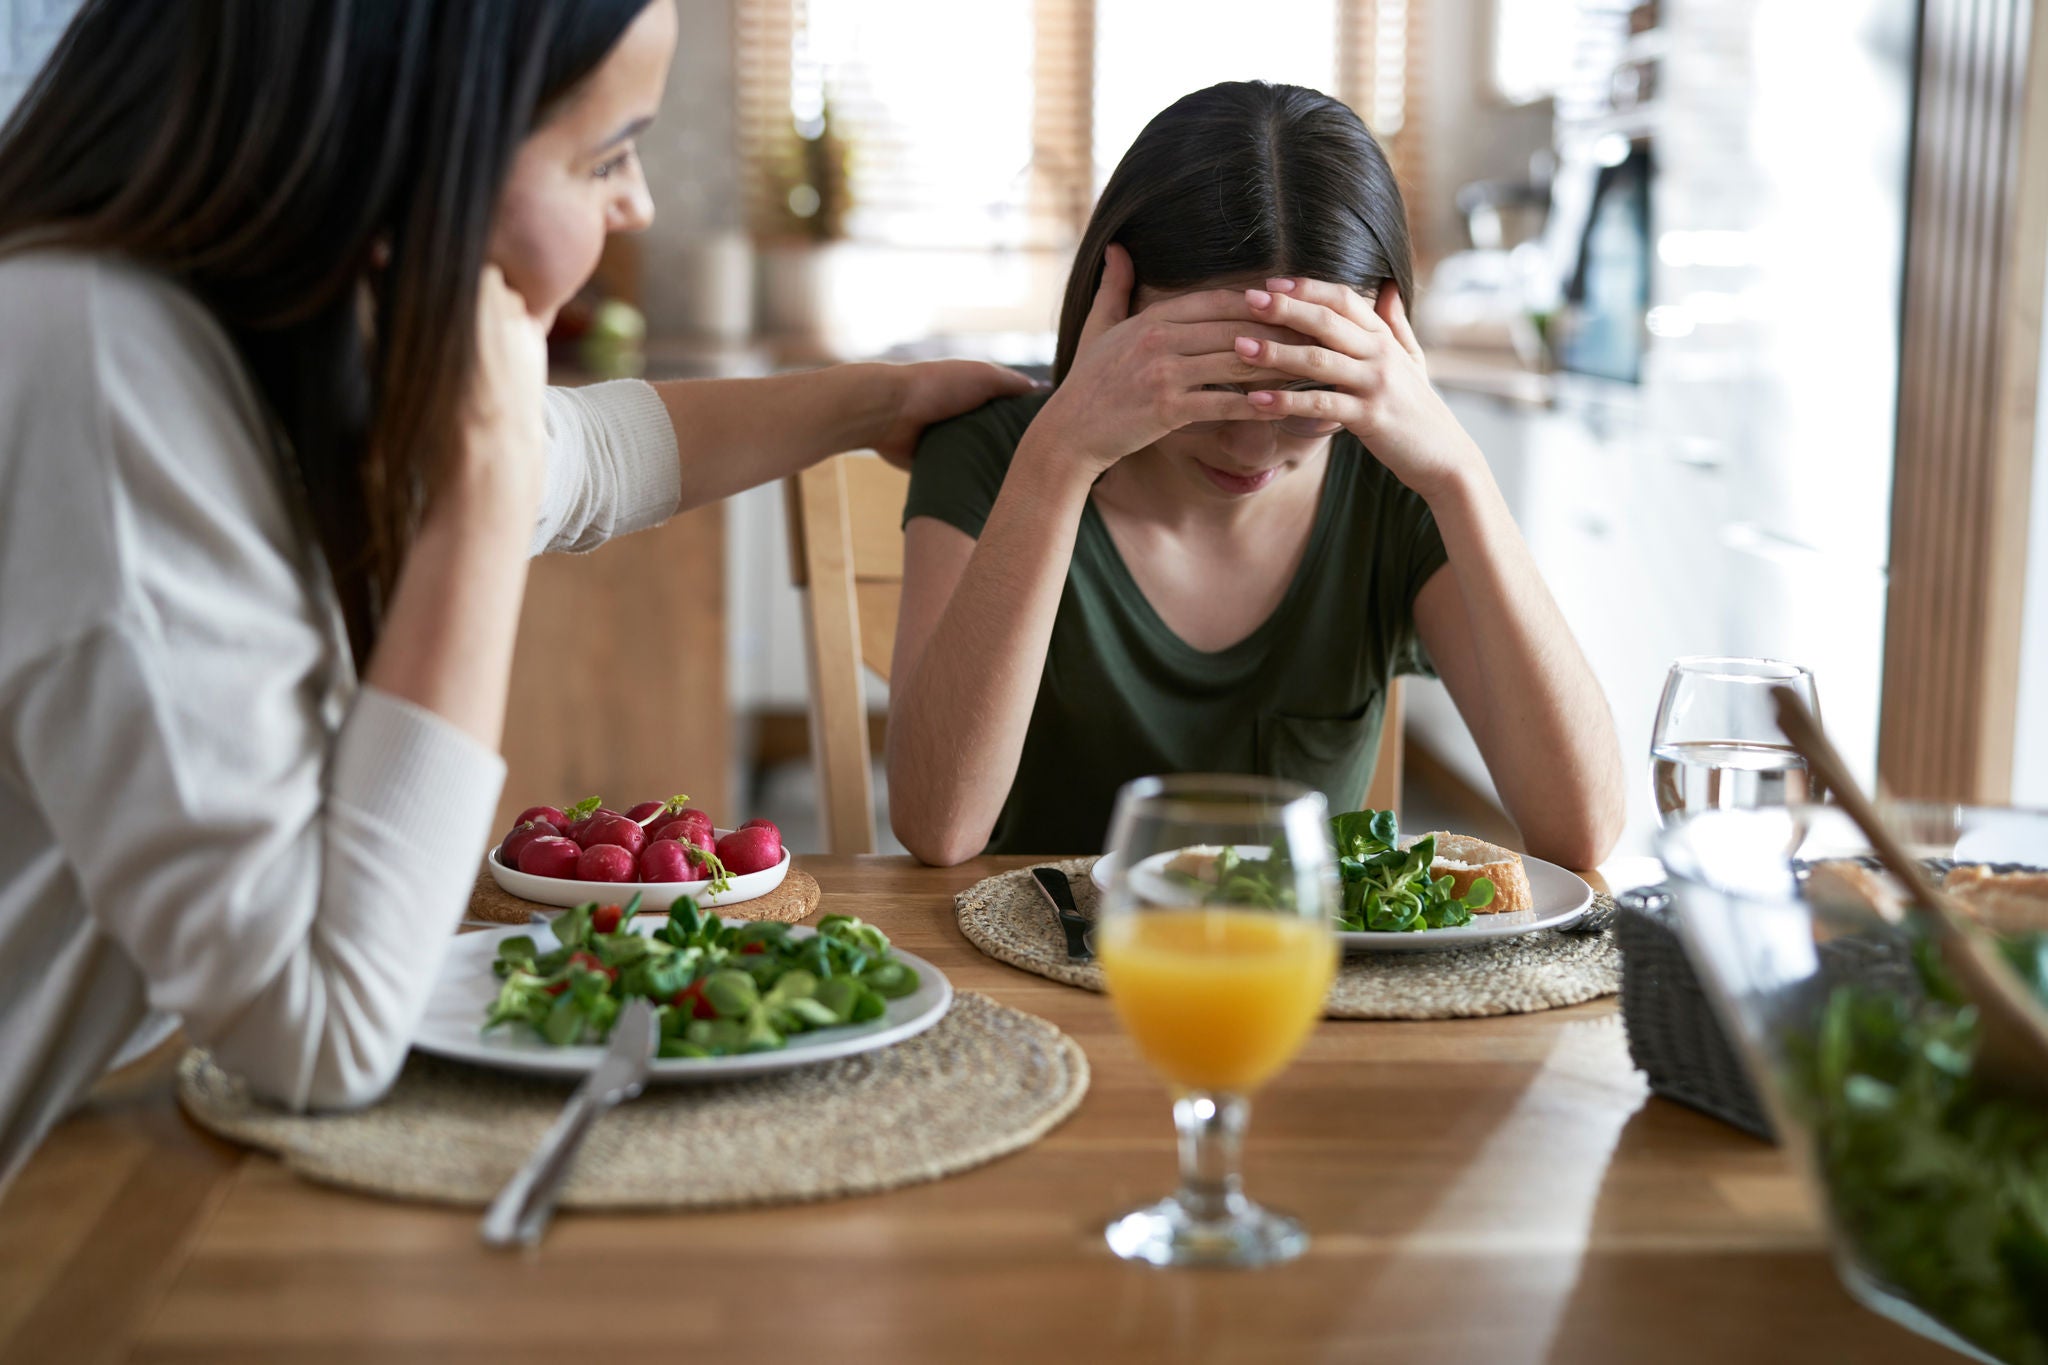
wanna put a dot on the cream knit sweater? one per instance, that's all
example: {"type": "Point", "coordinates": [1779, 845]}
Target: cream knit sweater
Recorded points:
{"type": "Point", "coordinates": [202, 815]}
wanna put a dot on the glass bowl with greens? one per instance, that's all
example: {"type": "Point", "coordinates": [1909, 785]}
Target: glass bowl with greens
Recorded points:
{"type": "Point", "coordinates": [1934, 1183]}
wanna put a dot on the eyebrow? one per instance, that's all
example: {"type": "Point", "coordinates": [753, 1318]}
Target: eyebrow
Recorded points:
{"type": "Point", "coordinates": [625, 134]}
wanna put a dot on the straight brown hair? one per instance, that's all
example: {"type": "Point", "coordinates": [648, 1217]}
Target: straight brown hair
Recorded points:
{"type": "Point", "coordinates": [322, 174]}
{"type": "Point", "coordinates": [1241, 179]}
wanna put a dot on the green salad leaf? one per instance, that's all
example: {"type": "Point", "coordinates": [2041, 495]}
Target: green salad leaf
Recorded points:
{"type": "Point", "coordinates": [719, 989]}
{"type": "Point", "coordinates": [1387, 888]}
{"type": "Point", "coordinates": [1940, 1185]}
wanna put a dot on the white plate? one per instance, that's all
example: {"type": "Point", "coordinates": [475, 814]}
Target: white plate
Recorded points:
{"type": "Point", "coordinates": [566, 892]}
{"type": "Point", "coordinates": [453, 1026]}
{"type": "Point", "coordinates": [1558, 898]}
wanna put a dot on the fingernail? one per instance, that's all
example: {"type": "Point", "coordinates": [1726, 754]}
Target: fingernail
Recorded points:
{"type": "Point", "coordinates": [1248, 348]}
{"type": "Point", "coordinates": [1281, 286]}
{"type": "Point", "coordinates": [1258, 298]}
{"type": "Point", "coordinates": [1261, 398]}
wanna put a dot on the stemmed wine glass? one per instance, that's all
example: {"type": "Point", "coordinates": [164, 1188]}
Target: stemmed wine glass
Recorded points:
{"type": "Point", "coordinates": [1716, 744]}
{"type": "Point", "coordinates": [1216, 939]}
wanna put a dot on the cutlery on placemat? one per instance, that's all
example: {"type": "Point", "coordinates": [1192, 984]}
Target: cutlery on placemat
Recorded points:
{"type": "Point", "coordinates": [1054, 884]}
{"type": "Point", "coordinates": [520, 1213]}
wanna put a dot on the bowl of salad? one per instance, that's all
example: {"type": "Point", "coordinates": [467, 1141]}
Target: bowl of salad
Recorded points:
{"type": "Point", "coordinates": [1934, 1179]}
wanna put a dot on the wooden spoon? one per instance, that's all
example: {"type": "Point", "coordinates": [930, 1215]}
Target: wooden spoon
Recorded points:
{"type": "Point", "coordinates": [2012, 1051]}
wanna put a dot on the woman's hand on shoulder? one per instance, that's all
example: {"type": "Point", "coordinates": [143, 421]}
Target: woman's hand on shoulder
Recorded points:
{"type": "Point", "coordinates": [504, 435]}
{"type": "Point", "coordinates": [933, 390]}
{"type": "Point", "coordinates": [1376, 382]}
{"type": "Point", "coordinates": [1136, 377]}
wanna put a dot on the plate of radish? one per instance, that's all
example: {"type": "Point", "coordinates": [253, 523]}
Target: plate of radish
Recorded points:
{"type": "Point", "coordinates": [664, 850]}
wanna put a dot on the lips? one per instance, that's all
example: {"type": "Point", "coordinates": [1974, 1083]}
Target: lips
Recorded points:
{"type": "Point", "coordinates": [1239, 484]}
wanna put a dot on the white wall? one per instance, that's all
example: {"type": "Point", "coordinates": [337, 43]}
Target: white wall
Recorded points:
{"type": "Point", "coordinates": [2030, 747]}
{"type": "Point", "coordinates": [1469, 132]}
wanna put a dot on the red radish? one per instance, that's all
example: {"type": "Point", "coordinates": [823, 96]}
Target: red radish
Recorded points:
{"type": "Point", "coordinates": [698, 821]}
{"type": "Point", "coordinates": [548, 813]}
{"type": "Point", "coordinates": [758, 823]}
{"type": "Point", "coordinates": [550, 856]}
{"type": "Point", "coordinates": [605, 863]}
{"type": "Point", "coordinates": [689, 832]}
{"type": "Point", "coordinates": [589, 962]}
{"type": "Point", "coordinates": [515, 843]}
{"type": "Point", "coordinates": [666, 860]}
{"type": "Point", "coordinates": [691, 998]}
{"type": "Point", "coordinates": [605, 919]}
{"type": "Point", "coordinates": [750, 850]}
{"type": "Point", "coordinates": [613, 829]}
{"type": "Point", "coordinates": [640, 813]}
{"type": "Point", "coordinates": [579, 829]}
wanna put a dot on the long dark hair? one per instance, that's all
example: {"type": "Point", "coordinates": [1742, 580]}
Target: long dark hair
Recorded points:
{"type": "Point", "coordinates": [268, 154]}
{"type": "Point", "coordinates": [1240, 179]}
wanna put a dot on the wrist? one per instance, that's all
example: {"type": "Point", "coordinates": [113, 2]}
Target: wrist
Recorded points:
{"type": "Point", "coordinates": [874, 397]}
{"type": "Point", "coordinates": [487, 495]}
{"type": "Point", "coordinates": [1047, 465]}
{"type": "Point", "coordinates": [1465, 487]}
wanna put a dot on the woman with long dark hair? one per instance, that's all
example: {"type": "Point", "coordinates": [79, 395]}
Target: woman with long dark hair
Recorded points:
{"type": "Point", "coordinates": [1240, 514]}
{"type": "Point", "coordinates": [275, 277]}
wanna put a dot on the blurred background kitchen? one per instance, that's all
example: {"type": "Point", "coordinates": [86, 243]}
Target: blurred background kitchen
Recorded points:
{"type": "Point", "coordinates": [1668, 282]}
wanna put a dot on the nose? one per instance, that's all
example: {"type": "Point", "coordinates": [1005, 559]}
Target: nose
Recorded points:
{"type": "Point", "coordinates": [1246, 442]}
{"type": "Point", "coordinates": [632, 210]}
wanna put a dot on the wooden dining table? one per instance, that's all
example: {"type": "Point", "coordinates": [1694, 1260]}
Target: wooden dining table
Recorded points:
{"type": "Point", "coordinates": [1502, 1191]}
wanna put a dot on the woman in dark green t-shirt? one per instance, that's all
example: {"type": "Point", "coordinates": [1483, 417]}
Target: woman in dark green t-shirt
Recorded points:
{"type": "Point", "coordinates": [1238, 515]}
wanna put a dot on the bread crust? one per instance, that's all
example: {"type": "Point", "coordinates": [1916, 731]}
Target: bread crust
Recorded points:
{"type": "Point", "coordinates": [1466, 859]}
{"type": "Point", "coordinates": [2003, 902]}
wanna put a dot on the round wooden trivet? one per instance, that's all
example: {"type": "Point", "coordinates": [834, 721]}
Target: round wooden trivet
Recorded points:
{"type": "Point", "coordinates": [1006, 916]}
{"type": "Point", "coordinates": [983, 1082]}
{"type": "Point", "coordinates": [793, 900]}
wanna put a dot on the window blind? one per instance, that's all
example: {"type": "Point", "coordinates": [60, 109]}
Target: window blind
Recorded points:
{"type": "Point", "coordinates": [927, 123]}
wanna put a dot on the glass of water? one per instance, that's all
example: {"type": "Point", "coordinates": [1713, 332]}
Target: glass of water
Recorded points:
{"type": "Point", "coordinates": [1717, 746]}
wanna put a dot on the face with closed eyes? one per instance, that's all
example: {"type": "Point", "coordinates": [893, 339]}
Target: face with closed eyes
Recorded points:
{"type": "Point", "coordinates": [576, 178]}
{"type": "Point", "coordinates": [1239, 459]}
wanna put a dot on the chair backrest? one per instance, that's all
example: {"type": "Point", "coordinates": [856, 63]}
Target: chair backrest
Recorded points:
{"type": "Point", "coordinates": [846, 551]}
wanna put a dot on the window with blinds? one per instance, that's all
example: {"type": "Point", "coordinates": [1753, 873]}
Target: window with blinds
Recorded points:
{"type": "Point", "coordinates": [925, 123]}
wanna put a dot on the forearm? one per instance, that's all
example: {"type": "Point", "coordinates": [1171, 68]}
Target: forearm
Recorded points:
{"type": "Point", "coordinates": [958, 718]}
{"type": "Point", "coordinates": [1541, 719]}
{"type": "Point", "coordinates": [734, 434]}
{"type": "Point", "coordinates": [447, 639]}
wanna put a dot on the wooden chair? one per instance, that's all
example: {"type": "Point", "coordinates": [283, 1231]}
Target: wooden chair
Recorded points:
{"type": "Point", "coordinates": [846, 552]}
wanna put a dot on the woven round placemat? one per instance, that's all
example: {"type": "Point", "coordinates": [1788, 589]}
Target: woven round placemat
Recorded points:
{"type": "Point", "coordinates": [1006, 916]}
{"type": "Point", "coordinates": [793, 900]}
{"type": "Point", "coordinates": [983, 1082]}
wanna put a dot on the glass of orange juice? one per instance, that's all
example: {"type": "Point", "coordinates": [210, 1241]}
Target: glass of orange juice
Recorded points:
{"type": "Point", "coordinates": [1216, 940]}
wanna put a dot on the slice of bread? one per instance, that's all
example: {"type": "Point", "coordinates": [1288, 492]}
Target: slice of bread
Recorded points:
{"type": "Point", "coordinates": [2003, 902]}
{"type": "Point", "coordinates": [1467, 859]}
{"type": "Point", "coordinates": [1843, 884]}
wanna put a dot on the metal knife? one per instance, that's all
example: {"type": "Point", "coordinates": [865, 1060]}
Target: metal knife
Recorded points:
{"type": "Point", "coordinates": [520, 1213]}
{"type": "Point", "coordinates": [1054, 884]}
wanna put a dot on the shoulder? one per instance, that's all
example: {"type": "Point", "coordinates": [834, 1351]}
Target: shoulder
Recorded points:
{"type": "Point", "coordinates": [133, 442]}
{"type": "Point", "coordinates": [104, 325]}
{"type": "Point", "coordinates": [962, 461]}
{"type": "Point", "coordinates": [993, 429]}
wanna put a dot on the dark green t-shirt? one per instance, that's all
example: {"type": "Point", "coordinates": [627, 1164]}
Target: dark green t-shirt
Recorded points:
{"type": "Point", "coordinates": [1123, 696]}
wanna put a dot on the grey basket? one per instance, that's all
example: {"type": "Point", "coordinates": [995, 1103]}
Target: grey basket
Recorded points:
{"type": "Point", "coordinates": [1673, 1035]}
{"type": "Point", "coordinates": [1675, 1038]}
